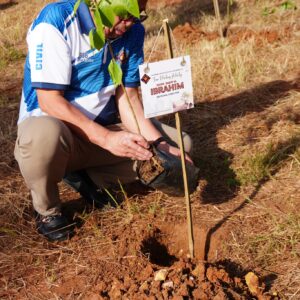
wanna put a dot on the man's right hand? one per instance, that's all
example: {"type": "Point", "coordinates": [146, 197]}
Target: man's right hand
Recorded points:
{"type": "Point", "coordinates": [127, 144]}
{"type": "Point", "coordinates": [120, 143]}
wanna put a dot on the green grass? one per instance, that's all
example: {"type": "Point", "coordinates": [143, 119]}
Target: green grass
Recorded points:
{"type": "Point", "coordinates": [10, 55]}
{"type": "Point", "coordinates": [263, 165]}
{"type": "Point", "coordinates": [282, 237]}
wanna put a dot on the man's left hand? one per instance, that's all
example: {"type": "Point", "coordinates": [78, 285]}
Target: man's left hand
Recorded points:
{"type": "Point", "coordinates": [173, 150]}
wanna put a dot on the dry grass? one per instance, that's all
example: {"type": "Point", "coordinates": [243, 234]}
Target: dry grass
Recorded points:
{"type": "Point", "coordinates": [246, 132]}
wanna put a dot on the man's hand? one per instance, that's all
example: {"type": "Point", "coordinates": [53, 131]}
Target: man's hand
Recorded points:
{"type": "Point", "coordinates": [126, 144]}
{"type": "Point", "coordinates": [173, 150]}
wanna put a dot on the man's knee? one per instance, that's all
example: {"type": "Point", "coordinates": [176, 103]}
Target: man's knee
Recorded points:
{"type": "Point", "coordinates": [42, 137]}
{"type": "Point", "coordinates": [171, 134]}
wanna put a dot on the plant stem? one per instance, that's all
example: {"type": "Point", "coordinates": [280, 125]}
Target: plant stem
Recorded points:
{"type": "Point", "coordinates": [125, 92]}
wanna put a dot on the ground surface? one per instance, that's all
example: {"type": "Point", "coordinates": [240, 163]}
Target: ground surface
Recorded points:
{"type": "Point", "coordinates": [245, 127]}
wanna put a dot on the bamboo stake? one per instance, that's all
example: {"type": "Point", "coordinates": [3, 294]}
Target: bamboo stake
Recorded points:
{"type": "Point", "coordinates": [218, 16]}
{"type": "Point", "coordinates": [178, 126]}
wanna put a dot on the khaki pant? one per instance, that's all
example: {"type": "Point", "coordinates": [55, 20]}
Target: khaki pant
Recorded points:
{"type": "Point", "coordinates": [46, 149]}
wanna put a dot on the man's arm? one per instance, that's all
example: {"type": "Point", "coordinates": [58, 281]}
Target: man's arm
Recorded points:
{"type": "Point", "coordinates": [148, 130]}
{"type": "Point", "coordinates": [120, 143]}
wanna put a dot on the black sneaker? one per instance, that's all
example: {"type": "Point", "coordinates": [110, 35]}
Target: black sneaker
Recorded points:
{"type": "Point", "coordinates": [84, 185]}
{"type": "Point", "coordinates": [54, 227]}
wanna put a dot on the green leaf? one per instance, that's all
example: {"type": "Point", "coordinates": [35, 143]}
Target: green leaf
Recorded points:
{"type": "Point", "coordinates": [120, 9]}
{"type": "Point", "coordinates": [115, 72]}
{"type": "Point", "coordinates": [91, 37]}
{"type": "Point", "coordinates": [133, 7]}
{"type": "Point", "coordinates": [97, 38]}
{"type": "Point", "coordinates": [98, 19]}
{"type": "Point", "coordinates": [124, 8]}
{"type": "Point", "coordinates": [107, 14]}
{"type": "Point", "coordinates": [78, 2]}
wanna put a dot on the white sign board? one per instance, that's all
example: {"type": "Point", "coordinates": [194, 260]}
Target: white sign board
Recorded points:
{"type": "Point", "coordinates": [166, 86]}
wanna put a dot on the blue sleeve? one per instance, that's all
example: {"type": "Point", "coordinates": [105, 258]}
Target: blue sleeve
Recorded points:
{"type": "Point", "coordinates": [135, 54]}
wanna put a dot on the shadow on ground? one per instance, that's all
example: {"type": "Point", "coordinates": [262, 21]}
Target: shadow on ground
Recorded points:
{"type": "Point", "coordinates": [207, 118]}
{"type": "Point", "coordinates": [277, 155]}
{"type": "Point", "coordinates": [7, 4]}
{"type": "Point", "coordinates": [186, 11]}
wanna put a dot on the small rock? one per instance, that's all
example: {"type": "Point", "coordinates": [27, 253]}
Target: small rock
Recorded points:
{"type": "Point", "coordinates": [156, 284]}
{"type": "Point", "coordinates": [184, 277]}
{"type": "Point", "coordinates": [161, 275]}
{"type": "Point", "coordinates": [93, 296]}
{"type": "Point", "coordinates": [127, 282]}
{"type": "Point", "coordinates": [177, 281]}
{"type": "Point", "coordinates": [168, 284]}
{"type": "Point", "coordinates": [183, 290]}
{"type": "Point", "coordinates": [220, 296]}
{"type": "Point", "coordinates": [199, 294]}
{"type": "Point", "coordinates": [253, 283]}
{"type": "Point", "coordinates": [165, 294]}
{"type": "Point", "coordinates": [146, 273]}
{"type": "Point", "coordinates": [144, 287]}
{"type": "Point", "coordinates": [115, 293]}
{"type": "Point", "coordinates": [177, 297]}
{"type": "Point", "coordinates": [133, 288]}
{"type": "Point", "coordinates": [199, 271]}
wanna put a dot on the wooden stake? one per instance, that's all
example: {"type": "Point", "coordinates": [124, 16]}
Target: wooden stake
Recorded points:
{"type": "Point", "coordinates": [178, 126]}
{"type": "Point", "coordinates": [218, 16]}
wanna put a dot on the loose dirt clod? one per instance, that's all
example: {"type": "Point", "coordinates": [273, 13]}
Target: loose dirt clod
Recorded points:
{"type": "Point", "coordinates": [150, 169]}
{"type": "Point", "coordinates": [161, 275]}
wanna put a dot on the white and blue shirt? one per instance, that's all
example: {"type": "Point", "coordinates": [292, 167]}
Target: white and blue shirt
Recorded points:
{"type": "Point", "coordinates": [60, 58]}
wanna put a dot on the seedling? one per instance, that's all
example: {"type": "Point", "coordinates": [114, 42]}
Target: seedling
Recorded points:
{"type": "Point", "coordinates": [105, 12]}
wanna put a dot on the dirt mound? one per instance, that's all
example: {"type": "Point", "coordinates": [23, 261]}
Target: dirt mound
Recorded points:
{"type": "Point", "coordinates": [235, 34]}
{"type": "Point", "coordinates": [158, 274]}
{"type": "Point", "coordinates": [156, 3]}
{"type": "Point", "coordinates": [192, 34]}
{"type": "Point", "coordinates": [183, 280]}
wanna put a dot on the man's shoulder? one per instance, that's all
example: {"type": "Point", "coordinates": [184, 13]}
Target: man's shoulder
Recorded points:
{"type": "Point", "coordinates": [138, 29]}
{"type": "Point", "coordinates": [136, 33]}
{"type": "Point", "coordinates": [55, 14]}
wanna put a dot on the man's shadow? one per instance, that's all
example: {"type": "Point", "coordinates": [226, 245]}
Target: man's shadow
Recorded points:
{"type": "Point", "coordinates": [273, 159]}
{"type": "Point", "coordinates": [204, 122]}
{"type": "Point", "coordinates": [7, 4]}
{"type": "Point", "coordinates": [207, 118]}
{"type": "Point", "coordinates": [189, 11]}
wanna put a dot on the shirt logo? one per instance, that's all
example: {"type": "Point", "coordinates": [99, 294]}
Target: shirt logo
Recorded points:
{"type": "Point", "coordinates": [84, 57]}
{"type": "Point", "coordinates": [39, 57]}
{"type": "Point", "coordinates": [121, 57]}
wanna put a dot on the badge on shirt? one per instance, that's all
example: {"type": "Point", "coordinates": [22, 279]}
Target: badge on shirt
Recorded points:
{"type": "Point", "coordinates": [121, 57]}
